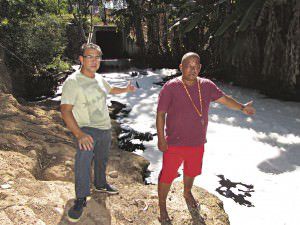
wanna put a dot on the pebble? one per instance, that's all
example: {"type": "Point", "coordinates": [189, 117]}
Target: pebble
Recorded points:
{"type": "Point", "coordinates": [59, 210]}
{"type": "Point", "coordinates": [68, 163]}
{"type": "Point", "coordinates": [113, 174]}
{"type": "Point", "coordinates": [153, 196]}
{"type": "Point", "coordinates": [5, 186]}
{"type": "Point", "coordinates": [32, 153]}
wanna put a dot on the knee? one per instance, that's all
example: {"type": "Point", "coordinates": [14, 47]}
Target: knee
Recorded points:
{"type": "Point", "coordinates": [84, 156]}
{"type": "Point", "coordinates": [167, 177]}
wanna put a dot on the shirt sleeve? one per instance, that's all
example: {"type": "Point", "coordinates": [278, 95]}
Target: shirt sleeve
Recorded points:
{"type": "Point", "coordinates": [215, 92]}
{"type": "Point", "coordinates": [106, 85]}
{"type": "Point", "coordinates": [69, 92]}
{"type": "Point", "coordinates": [164, 99]}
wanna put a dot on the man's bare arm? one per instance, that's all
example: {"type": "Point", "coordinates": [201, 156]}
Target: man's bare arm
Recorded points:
{"type": "Point", "coordinates": [85, 141]}
{"type": "Point", "coordinates": [160, 126]}
{"type": "Point", "coordinates": [235, 105]}
{"type": "Point", "coordinates": [120, 90]}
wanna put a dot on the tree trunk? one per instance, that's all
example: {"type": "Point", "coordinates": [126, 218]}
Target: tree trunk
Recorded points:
{"type": "Point", "coordinates": [137, 20]}
{"type": "Point", "coordinates": [78, 22]}
{"type": "Point", "coordinates": [153, 42]}
{"type": "Point", "coordinates": [164, 32]}
{"type": "Point", "coordinates": [273, 51]}
{"type": "Point", "coordinates": [292, 51]}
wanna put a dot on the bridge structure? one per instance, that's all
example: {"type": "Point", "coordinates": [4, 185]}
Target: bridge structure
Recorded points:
{"type": "Point", "coordinates": [118, 50]}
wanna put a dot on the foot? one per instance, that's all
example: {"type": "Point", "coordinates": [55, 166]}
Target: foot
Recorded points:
{"type": "Point", "coordinates": [75, 212]}
{"type": "Point", "coordinates": [110, 189]}
{"type": "Point", "coordinates": [164, 220]}
{"type": "Point", "coordinates": [190, 200]}
{"type": "Point", "coordinates": [164, 217]}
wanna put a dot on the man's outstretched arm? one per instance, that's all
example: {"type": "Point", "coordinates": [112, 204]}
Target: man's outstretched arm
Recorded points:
{"type": "Point", "coordinates": [120, 90]}
{"type": "Point", "coordinates": [231, 103]}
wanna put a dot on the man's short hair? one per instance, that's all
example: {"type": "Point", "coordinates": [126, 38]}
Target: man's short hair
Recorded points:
{"type": "Point", "coordinates": [189, 55]}
{"type": "Point", "coordinates": [90, 46]}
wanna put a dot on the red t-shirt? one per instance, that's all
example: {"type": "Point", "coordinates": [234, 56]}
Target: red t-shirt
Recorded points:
{"type": "Point", "coordinates": [184, 127]}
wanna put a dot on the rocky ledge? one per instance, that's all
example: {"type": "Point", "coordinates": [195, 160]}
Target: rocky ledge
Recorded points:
{"type": "Point", "coordinates": [36, 176]}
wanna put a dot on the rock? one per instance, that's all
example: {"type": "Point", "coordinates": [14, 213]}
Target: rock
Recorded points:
{"type": "Point", "coordinates": [134, 73]}
{"type": "Point", "coordinates": [14, 164]}
{"type": "Point", "coordinates": [144, 72]}
{"type": "Point", "coordinates": [113, 174]}
{"type": "Point", "coordinates": [5, 186]}
{"type": "Point", "coordinates": [68, 163]}
{"type": "Point", "coordinates": [58, 172]}
{"type": "Point", "coordinates": [59, 210]}
{"type": "Point", "coordinates": [153, 195]}
{"type": "Point", "coordinates": [56, 148]}
{"type": "Point", "coordinates": [32, 153]}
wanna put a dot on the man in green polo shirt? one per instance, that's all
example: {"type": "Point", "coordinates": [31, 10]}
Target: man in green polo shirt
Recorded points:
{"type": "Point", "coordinates": [84, 110]}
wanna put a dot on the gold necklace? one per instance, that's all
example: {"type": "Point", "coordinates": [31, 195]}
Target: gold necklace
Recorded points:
{"type": "Point", "coordinates": [200, 98]}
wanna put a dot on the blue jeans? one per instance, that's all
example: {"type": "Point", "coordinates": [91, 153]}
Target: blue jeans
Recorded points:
{"type": "Point", "coordinates": [83, 160]}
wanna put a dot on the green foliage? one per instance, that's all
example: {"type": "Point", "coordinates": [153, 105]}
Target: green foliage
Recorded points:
{"type": "Point", "coordinates": [58, 64]}
{"type": "Point", "coordinates": [39, 40]}
{"type": "Point", "coordinates": [32, 32]}
{"type": "Point", "coordinates": [16, 10]}
{"type": "Point", "coordinates": [192, 15]}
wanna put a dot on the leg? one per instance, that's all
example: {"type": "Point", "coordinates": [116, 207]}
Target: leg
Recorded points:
{"type": "Point", "coordinates": [163, 190]}
{"type": "Point", "coordinates": [82, 172]}
{"type": "Point", "coordinates": [187, 193]}
{"type": "Point", "coordinates": [192, 167]}
{"type": "Point", "coordinates": [83, 161]}
{"type": "Point", "coordinates": [101, 157]}
{"type": "Point", "coordinates": [171, 162]}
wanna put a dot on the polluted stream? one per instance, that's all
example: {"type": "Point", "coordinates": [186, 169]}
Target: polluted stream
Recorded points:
{"type": "Point", "coordinates": [249, 161]}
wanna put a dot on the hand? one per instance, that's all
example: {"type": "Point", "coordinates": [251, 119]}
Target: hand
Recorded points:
{"type": "Point", "coordinates": [130, 87]}
{"type": "Point", "coordinates": [248, 109]}
{"type": "Point", "coordinates": [162, 144]}
{"type": "Point", "coordinates": [85, 142]}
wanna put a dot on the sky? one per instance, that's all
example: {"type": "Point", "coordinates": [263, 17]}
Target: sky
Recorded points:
{"type": "Point", "coordinates": [256, 158]}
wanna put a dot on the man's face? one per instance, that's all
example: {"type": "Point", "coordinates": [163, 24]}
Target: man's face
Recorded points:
{"type": "Point", "coordinates": [190, 68]}
{"type": "Point", "coordinates": [90, 60]}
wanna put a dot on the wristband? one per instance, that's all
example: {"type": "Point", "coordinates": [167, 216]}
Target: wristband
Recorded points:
{"type": "Point", "coordinates": [242, 107]}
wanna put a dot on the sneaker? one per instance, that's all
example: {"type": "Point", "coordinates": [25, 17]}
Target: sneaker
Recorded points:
{"type": "Point", "coordinates": [110, 189]}
{"type": "Point", "coordinates": [76, 210]}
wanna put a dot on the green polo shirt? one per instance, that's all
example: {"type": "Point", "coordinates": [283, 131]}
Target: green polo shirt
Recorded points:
{"type": "Point", "coordinates": [88, 97]}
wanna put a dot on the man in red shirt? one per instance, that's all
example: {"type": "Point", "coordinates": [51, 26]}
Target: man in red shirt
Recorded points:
{"type": "Point", "coordinates": [183, 110]}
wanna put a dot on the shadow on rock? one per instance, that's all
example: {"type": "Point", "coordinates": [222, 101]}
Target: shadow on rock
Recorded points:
{"type": "Point", "coordinates": [196, 217]}
{"type": "Point", "coordinates": [96, 211]}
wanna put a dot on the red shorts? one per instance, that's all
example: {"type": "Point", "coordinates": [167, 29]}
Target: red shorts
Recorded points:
{"type": "Point", "coordinates": [191, 157]}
